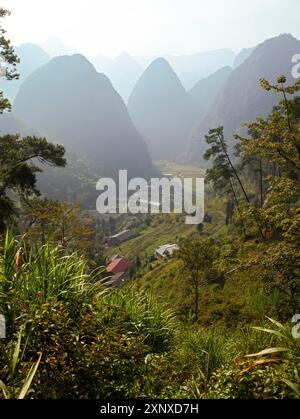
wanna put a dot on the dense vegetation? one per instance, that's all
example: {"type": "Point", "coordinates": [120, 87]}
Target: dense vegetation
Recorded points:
{"type": "Point", "coordinates": [68, 337]}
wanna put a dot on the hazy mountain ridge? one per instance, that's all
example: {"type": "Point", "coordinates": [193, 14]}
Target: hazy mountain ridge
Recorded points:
{"type": "Point", "coordinates": [123, 71]}
{"type": "Point", "coordinates": [10, 124]}
{"type": "Point", "coordinates": [162, 110]}
{"type": "Point", "coordinates": [206, 90]}
{"type": "Point", "coordinates": [242, 56]}
{"type": "Point", "coordinates": [242, 99]}
{"type": "Point", "coordinates": [55, 47]}
{"type": "Point", "coordinates": [69, 102]}
{"type": "Point", "coordinates": [190, 68]}
{"type": "Point", "coordinates": [31, 57]}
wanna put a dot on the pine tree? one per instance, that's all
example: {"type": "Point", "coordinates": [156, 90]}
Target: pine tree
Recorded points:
{"type": "Point", "coordinates": [9, 61]}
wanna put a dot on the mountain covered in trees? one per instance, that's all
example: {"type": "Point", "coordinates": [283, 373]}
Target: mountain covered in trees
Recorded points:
{"type": "Point", "coordinates": [241, 99]}
{"type": "Point", "coordinates": [162, 110]}
{"type": "Point", "coordinates": [70, 103]}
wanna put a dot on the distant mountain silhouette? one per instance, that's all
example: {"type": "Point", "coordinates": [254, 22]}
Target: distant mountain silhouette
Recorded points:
{"type": "Point", "coordinates": [55, 48]}
{"type": "Point", "coordinates": [242, 99]}
{"type": "Point", "coordinates": [70, 103]}
{"type": "Point", "coordinates": [242, 56]}
{"type": "Point", "coordinates": [162, 110]}
{"type": "Point", "coordinates": [123, 71]}
{"type": "Point", "coordinates": [193, 67]}
{"type": "Point", "coordinates": [206, 90]}
{"type": "Point", "coordinates": [31, 57]}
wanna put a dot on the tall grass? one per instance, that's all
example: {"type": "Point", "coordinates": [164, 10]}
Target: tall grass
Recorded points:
{"type": "Point", "coordinates": [140, 313]}
{"type": "Point", "coordinates": [57, 300]}
{"type": "Point", "coordinates": [245, 340]}
{"type": "Point", "coordinates": [201, 352]}
{"type": "Point", "coordinates": [288, 351]}
{"type": "Point", "coordinates": [46, 274]}
{"type": "Point", "coordinates": [17, 386]}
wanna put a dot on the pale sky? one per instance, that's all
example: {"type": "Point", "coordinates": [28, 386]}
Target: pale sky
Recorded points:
{"type": "Point", "coordinates": [151, 27]}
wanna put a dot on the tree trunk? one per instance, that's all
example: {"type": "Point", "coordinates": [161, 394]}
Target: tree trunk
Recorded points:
{"type": "Point", "coordinates": [261, 183]}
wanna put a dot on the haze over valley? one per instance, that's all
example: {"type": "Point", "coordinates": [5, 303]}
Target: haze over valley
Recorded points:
{"type": "Point", "coordinates": [123, 112]}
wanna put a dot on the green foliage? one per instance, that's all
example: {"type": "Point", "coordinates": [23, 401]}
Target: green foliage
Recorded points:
{"type": "Point", "coordinates": [31, 277]}
{"type": "Point", "coordinates": [260, 383]}
{"type": "Point", "coordinates": [83, 341]}
{"type": "Point", "coordinates": [93, 341]}
{"type": "Point", "coordinates": [138, 313]}
{"type": "Point", "coordinates": [18, 172]}
{"type": "Point", "coordinates": [287, 353]}
{"type": "Point", "coordinates": [222, 171]}
{"type": "Point", "coordinates": [9, 61]}
{"type": "Point", "coordinates": [277, 136]}
{"type": "Point", "coordinates": [203, 351]}
{"type": "Point", "coordinates": [281, 272]}
{"type": "Point", "coordinates": [198, 257]}
{"type": "Point", "coordinates": [16, 388]}
{"type": "Point", "coordinates": [65, 223]}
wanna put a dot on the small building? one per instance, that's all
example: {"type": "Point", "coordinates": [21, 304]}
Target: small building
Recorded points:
{"type": "Point", "coordinates": [121, 237]}
{"type": "Point", "coordinates": [118, 269]}
{"type": "Point", "coordinates": [166, 250]}
{"type": "Point", "coordinates": [117, 265]}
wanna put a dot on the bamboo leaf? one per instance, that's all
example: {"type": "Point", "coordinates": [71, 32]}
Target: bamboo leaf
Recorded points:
{"type": "Point", "coordinates": [268, 352]}
{"type": "Point", "coordinates": [5, 390]}
{"type": "Point", "coordinates": [295, 387]}
{"type": "Point", "coordinates": [29, 378]}
{"type": "Point", "coordinates": [16, 354]}
{"type": "Point", "coordinates": [277, 324]}
{"type": "Point", "coordinates": [272, 332]}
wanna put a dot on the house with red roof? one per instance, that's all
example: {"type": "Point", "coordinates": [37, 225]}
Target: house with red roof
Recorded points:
{"type": "Point", "coordinates": [118, 268]}
{"type": "Point", "coordinates": [117, 265]}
